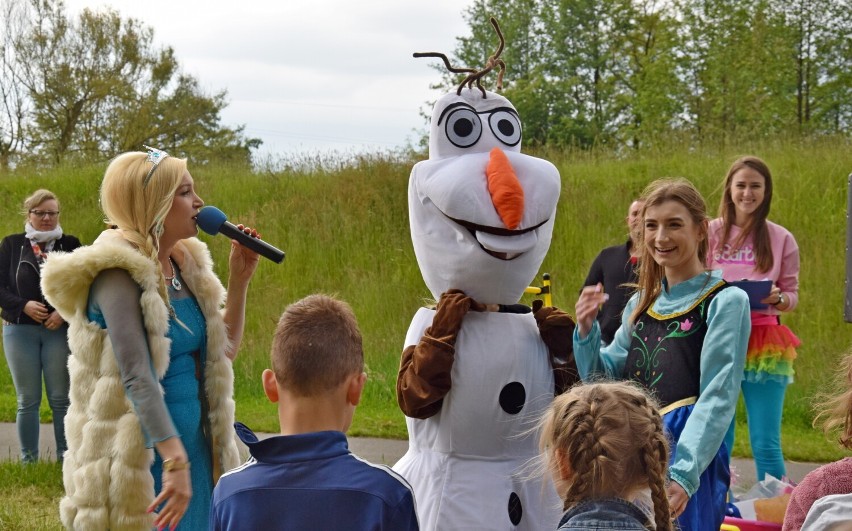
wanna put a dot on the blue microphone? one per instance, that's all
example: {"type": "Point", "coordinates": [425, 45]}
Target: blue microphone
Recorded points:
{"type": "Point", "coordinates": [213, 221]}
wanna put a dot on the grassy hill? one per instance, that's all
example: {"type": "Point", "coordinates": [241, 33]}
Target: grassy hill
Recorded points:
{"type": "Point", "coordinates": [345, 231]}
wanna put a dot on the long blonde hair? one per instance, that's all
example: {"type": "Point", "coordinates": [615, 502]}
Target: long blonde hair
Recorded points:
{"type": "Point", "coordinates": [836, 409]}
{"type": "Point", "coordinates": [651, 273]}
{"type": "Point", "coordinates": [611, 437]}
{"type": "Point", "coordinates": [139, 211]}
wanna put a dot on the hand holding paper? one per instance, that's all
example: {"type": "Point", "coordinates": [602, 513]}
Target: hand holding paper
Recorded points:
{"type": "Point", "coordinates": [758, 291]}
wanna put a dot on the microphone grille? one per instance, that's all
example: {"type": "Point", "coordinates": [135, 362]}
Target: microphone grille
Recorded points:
{"type": "Point", "coordinates": [210, 219]}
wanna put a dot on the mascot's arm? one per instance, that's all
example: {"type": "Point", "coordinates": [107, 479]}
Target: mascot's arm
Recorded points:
{"type": "Point", "coordinates": [424, 371]}
{"type": "Point", "coordinates": [557, 330]}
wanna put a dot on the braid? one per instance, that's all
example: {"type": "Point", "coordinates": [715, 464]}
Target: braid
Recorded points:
{"type": "Point", "coordinates": [610, 441]}
{"type": "Point", "coordinates": [583, 458]}
{"type": "Point", "coordinates": [138, 205]}
{"type": "Point", "coordinates": [153, 242]}
{"type": "Point", "coordinates": [657, 461]}
{"type": "Point", "coordinates": [656, 456]}
{"type": "Point", "coordinates": [149, 247]}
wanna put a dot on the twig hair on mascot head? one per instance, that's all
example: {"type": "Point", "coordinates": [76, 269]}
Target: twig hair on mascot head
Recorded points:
{"type": "Point", "coordinates": [473, 379]}
{"type": "Point", "coordinates": [481, 212]}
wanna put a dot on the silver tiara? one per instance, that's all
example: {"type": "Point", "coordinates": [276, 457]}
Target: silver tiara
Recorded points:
{"type": "Point", "coordinates": [155, 157]}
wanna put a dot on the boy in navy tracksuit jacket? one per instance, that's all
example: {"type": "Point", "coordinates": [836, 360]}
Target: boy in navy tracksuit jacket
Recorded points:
{"type": "Point", "coordinates": [306, 478]}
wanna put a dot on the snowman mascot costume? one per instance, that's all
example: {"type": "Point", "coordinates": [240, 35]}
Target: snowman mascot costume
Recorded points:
{"type": "Point", "coordinates": [476, 373]}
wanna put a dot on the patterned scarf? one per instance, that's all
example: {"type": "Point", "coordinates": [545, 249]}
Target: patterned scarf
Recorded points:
{"type": "Point", "coordinates": [48, 238]}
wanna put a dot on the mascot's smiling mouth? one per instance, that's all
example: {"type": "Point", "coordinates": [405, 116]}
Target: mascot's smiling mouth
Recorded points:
{"type": "Point", "coordinates": [503, 244]}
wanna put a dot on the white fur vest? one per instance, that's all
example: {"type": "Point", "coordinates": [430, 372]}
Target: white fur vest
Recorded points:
{"type": "Point", "coordinates": [106, 470]}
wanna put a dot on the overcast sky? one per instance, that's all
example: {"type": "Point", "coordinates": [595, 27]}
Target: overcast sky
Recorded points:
{"type": "Point", "coordinates": [309, 75]}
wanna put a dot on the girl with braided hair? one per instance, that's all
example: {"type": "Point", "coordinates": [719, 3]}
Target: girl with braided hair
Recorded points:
{"type": "Point", "coordinates": [607, 451]}
{"type": "Point", "coordinates": [683, 336]}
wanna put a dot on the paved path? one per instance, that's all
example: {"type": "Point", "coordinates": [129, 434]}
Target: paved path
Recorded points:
{"type": "Point", "coordinates": [386, 451]}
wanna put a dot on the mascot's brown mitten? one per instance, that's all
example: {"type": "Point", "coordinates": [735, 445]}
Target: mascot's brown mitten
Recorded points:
{"type": "Point", "coordinates": [424, 371]}
{"type": "Point", "coordinates": [557, 330]}
{"type": "Point", "coordinates": [452, 307]}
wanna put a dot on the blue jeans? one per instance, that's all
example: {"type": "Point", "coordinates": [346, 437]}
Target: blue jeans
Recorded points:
{"type": "Point", "coordinates": [30, 352]}
{"type": "Point", "coordinates": [764, 403]}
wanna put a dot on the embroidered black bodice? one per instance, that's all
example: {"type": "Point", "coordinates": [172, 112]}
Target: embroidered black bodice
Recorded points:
{"type": "Point", "coordinates": [665, 350]}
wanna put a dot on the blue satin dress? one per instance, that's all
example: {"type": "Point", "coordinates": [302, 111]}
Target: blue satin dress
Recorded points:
{"type": "Point", "coordinates": [182, 383]}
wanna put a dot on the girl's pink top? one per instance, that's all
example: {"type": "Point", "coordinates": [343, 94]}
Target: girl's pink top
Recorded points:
{"type": "Point", "coordinates": [739, 264]}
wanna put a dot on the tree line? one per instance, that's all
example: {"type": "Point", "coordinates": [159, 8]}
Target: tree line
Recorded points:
{"type": "Point", "coordinates": [91, 86]}
{"type": "Point", "coordinates": [636, 73]}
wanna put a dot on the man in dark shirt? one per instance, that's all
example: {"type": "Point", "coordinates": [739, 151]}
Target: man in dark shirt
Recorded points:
{"type": "Point", "coordinates": [614, 267]}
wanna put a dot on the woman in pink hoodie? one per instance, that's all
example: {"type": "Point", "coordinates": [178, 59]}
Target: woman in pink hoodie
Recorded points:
{"type": "Point", "coordinates": [745, 245]}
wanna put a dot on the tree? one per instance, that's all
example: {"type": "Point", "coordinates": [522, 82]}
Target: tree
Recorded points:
{"type": "Point", "coordinates": [97, 86]}
{"type": "Point", "coordinates": [517, 20]}
{"type": "Point", "coordinates": [654, 96]}
{"type": "Point", "coordinates": [750, 70]}
{"type": "Point", "coordinates": [586, 37]}
{"type": "Point", "coordinates": [820, 32]}
{"type": "Point", "coordinates": [634, 72]}
{"type": "Point", "coordinates": [13, 102]}
{"type": "Point", "coordinates": [583, 72]}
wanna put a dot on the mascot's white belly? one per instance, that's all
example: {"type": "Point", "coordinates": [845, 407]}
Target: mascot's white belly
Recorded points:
{"type": "Point", "coordinates": [472, 465]}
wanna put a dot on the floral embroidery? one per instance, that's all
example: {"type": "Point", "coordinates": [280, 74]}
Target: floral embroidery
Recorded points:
{"type": "Point", "coordinates": [648, 360]}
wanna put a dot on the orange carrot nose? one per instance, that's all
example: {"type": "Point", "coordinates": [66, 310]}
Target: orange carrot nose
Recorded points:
{"type": "Point", "coordinates": [505, 189]}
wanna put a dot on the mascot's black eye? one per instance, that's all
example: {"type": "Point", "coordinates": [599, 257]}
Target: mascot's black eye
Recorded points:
{"type": "Point", "coordinates": [506, 127]}
{"type": "Point", "coordinates": [463, 128]}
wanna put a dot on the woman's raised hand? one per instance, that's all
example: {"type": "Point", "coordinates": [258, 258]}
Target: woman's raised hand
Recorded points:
{"type": "Point", "coordinates": [242, 260]}
{"type": "Point", "coordinates": [587, 308]}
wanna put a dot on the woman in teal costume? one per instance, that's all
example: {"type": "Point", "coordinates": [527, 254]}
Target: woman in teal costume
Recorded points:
{"type": "Point", "coordinates": [683, 336]}
{"type": "Point", "coordinates": [153, 354]}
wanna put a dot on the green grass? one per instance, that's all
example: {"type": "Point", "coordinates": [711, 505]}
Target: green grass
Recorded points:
{"type": "Point", "coordinates": [345, 231]}
{"type": "Point", "coordinates": [30, 495]}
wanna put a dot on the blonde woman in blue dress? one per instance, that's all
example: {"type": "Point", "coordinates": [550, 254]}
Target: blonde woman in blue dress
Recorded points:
{"type": "Point", "coordinates": [683, 336]}
{"type": "Point", "coordinates": [152, 336]}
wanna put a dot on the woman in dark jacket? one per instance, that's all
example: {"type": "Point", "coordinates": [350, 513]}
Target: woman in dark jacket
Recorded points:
{"type": "Point", "coordinates": [34, 335]}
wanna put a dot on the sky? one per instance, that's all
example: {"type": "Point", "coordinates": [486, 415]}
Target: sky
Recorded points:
{"type": "Point", "coordinates": [309, 76]}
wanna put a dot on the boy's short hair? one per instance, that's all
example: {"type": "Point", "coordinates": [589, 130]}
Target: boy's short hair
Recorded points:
{"type": "Point", "coordinates": [317, 344]}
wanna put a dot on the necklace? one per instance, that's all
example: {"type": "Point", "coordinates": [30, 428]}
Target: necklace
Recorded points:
{"type": "Point", "coordinates": [176, 285]}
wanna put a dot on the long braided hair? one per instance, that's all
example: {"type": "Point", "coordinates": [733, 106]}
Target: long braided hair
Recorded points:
{"type": "Point", "coordinates": [605, 440]}
{"type": "Point", "coordinates": [140, 210]}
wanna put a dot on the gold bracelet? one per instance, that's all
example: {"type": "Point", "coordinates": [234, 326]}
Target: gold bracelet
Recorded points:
{"type": "Point", "coordinates": [172, 464]}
